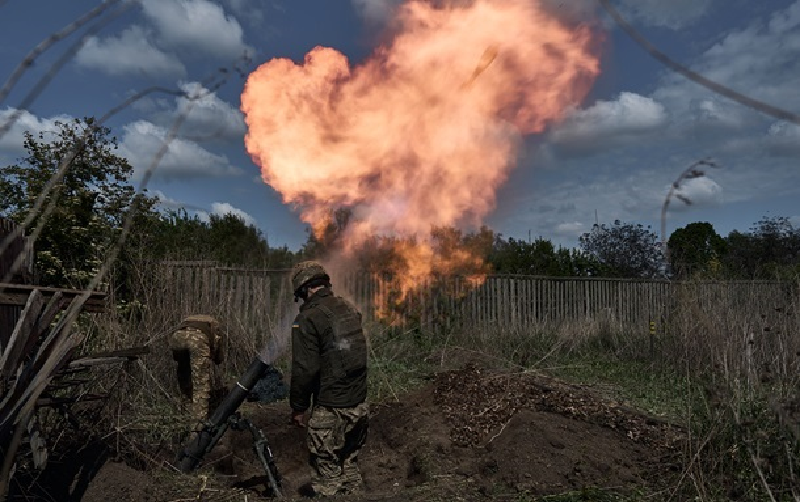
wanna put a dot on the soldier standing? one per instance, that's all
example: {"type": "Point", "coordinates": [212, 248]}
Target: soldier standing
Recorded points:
{"type": "Point", "coordinates": [329, 375]}
{"type": "Point", "coordinates": [195, 345]}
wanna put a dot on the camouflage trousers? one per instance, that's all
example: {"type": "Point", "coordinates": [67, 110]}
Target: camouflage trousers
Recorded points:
{"type": "Point", "coordinates": [192, 350]}
{"type": "Point", "coordinates": [335, 437]}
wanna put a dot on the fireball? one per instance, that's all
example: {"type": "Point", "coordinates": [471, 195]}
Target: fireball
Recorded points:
{"type": "Point", "coordinates": [424, 131]}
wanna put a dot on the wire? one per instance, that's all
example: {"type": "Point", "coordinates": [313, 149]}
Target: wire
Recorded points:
{"type": "Point", "coordinates": [56, 67]}
{"type": "Point", "coordinates": [45, 44]}
{"type": "Point", "coordinates": [693, 75]}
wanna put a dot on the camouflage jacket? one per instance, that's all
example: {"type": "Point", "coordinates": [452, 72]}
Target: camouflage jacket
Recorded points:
{"type": "Point", "coordinates": [329, 354]}
{"type": "Point", "coordinates": [211, 328]}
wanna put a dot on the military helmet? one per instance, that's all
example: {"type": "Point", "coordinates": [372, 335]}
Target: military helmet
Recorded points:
{"type": "Point", "coordinates": [305, 271]}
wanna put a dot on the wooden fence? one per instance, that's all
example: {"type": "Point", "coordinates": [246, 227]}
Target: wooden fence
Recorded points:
{"type": "Point", "coordinates": [9, 312]}
{"type": "Point", "coordinates": [250, 300]}
{"type": "Point", "coordinates": [259, 298]}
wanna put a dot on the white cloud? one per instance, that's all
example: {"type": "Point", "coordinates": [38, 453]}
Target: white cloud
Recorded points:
{"type": "Point", "coordinates": [209, 115]}
{"type": "Point", "coordinates": [13, 142]}
{"type": "Point", "coordinates": [570, 229]}
{"type": "Point", "coordinates": [129, 53]}
{"type": "Point", "coordinates": [759, 61]}
{"type": "Point", "coordinates": [605, 122]}
{"type": "Point", "coordinates": [700, 192]}
{"type": "Point", "coordinates": [141, 141]}
{"type": "Point", "coordinates": [200, 26]}
{"type": "Point", "coordinates": [673, 14]}
{"type": "Point", "coordinates": [795, 221]}
{"type": "Point", "coordinates": [206, 116]}
{"type": "Point", "coordinates": [168, 202]}
{"type": "Point", "coordinates": [223, 208]}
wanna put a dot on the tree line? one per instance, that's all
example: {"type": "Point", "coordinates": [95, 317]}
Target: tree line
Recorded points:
{"type": "Point", "coordinates": [96, 193]}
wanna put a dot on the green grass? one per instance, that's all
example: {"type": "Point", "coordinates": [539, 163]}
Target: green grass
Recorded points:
{"type": "Point", "coordinates": [638, 384]}
{"type": "Point", "coordinates": [390, 379]}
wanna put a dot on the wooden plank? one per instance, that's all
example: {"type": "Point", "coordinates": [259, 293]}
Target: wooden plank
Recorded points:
{"type": "Point", "coordinates": [238, 308]}
{"type": "Point", "coordinates": [20, 336]}
{"type": "Point", "coordinates": [51, 310]}
{"type": "Point", "coordinates": [17, 294]}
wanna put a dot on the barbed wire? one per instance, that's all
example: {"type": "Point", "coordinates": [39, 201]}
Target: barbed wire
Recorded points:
{"type": "Point", "coordinates": [37, 89]}
{"type": "Point", "coordinates": [694, 76]}
{"type": "Point", "coordinates": [28, 61]}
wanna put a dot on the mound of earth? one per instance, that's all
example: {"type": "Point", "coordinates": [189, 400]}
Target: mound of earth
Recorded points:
{"type": "Point", "coordinates": [470, 433]}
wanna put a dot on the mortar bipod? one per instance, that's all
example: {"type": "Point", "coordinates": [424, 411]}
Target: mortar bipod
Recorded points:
{"type": "Point", "coordinates": [262, 451]}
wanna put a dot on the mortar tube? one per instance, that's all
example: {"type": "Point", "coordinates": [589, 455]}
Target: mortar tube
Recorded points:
{"type": "Point", "coordinates": [191, 455]}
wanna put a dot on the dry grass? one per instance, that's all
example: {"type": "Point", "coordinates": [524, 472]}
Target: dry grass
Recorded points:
{"type": "Point", "coordinates": [726, 366]}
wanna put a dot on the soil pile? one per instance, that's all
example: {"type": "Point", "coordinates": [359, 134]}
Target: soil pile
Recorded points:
{"type": "Point", "coordinates": [471, 433]}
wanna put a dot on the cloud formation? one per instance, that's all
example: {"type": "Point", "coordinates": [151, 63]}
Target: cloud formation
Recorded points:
{"type": "Point", "coordinates": [13, 142]}
{"type": "Point", "coordinates": [208, 115]}
{"type": "Point", "coordinates": [570, 229]}
{"type": "Point", "coordinates": [199, 26]}
{"type": "Point", "coordinates": [141, 140]}
{"type": "Point", "coordinates": [758, 61]}
{"type": "Point", "coordinates": [606, 123]}
{"type": "Point", "coordinates": [700, 192]}
{"type": "Point", "coordinates": [223, 208]}
{"type": "Point", "coordinates": [131, 52]}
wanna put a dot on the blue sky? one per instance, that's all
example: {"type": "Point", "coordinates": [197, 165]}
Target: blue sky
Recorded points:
{"type": "Point", "coordinates": [615, 155]}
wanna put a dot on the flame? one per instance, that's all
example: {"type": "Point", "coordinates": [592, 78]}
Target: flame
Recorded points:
{"type": "Point", "coordinates": [425, 130]}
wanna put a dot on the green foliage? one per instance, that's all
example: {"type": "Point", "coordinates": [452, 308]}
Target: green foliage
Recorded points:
{"type": "Point", "coordinates": [625, 250]}
{"type": "Point", "coordinates": [696, 249]}
{"type": "Point", "coordinates": [541, 258]}
{"type": "Point", "coordinates": [92, 199]}
{"type": "Point", "coordinates": [771, 250]}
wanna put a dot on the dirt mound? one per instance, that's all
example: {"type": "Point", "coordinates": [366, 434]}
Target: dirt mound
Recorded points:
{"type": "Point", "coordinates": [471, 433]}
{"type": "Point", "coordinates": [118, 482]}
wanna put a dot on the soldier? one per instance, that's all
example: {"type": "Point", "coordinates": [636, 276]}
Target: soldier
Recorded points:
{"type": "Point", "coordinates": [329, 375]}
{"type": "Point", "coordinates": [195, 345]}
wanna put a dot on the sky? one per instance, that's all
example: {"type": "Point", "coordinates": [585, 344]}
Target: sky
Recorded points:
{"type": "Point", "coordinates": [612, 157]}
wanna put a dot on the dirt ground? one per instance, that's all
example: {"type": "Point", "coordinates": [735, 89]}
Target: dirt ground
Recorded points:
{"type": "Point", "coordinates": [469, 434]}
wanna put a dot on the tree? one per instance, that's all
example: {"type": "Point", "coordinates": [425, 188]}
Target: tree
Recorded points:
{"type": "Point", "coordinates": [92, 199]}
{"type": "Point", "coordinates": [221, 238]}
{"type": "Point", "coordinates": [625, 250]}
{"type": "Point", "coordinates": [540, 257]}
{"type": "Point", "coordinates": [771, 250]}
{"type": "Point", "coordinates": [696, 248]}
